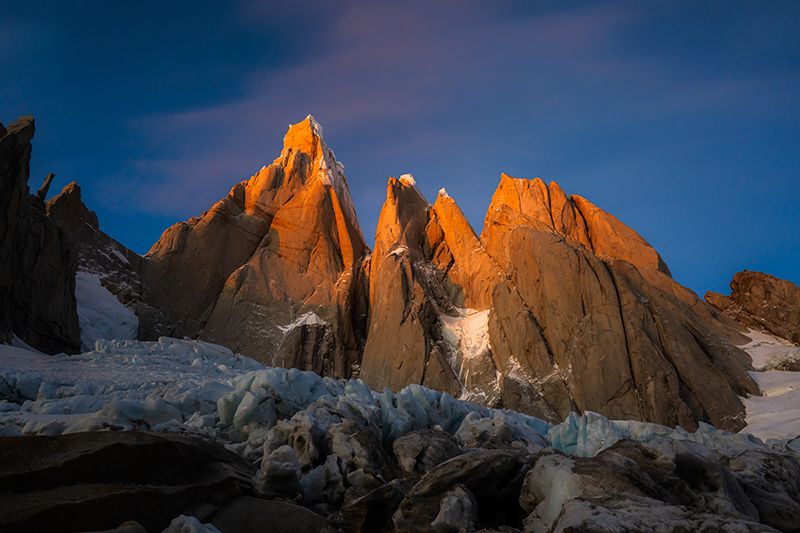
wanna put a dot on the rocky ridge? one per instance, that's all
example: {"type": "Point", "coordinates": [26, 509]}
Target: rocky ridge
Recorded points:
{"type": "Point", "coordinates": [118, 268]}
{"type": "Point", "coordinates": [763, 302]}
{"type": "Point", "coordinates": [523, 315]}
{"type": "Point", "coordinates": [37, 260]}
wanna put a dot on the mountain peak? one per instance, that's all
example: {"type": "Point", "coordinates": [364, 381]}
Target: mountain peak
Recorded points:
{"type": "Point", "coordinates": [304, 136]}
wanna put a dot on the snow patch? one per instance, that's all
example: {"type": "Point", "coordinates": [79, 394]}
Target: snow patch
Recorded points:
{"type": "Point", "coordinates": [119, 256]}
{"type": "Point", "coordinates": [443, 192]}
{"type": "Point", "coordinates": [408, 180]}
{"type": "Point", "coordinates": [768, 351]}
{"type": "Point", "coordinates": [775, 415]}
{"type": "Point", "coordinates": [100, 314]}
{"type": "Point", "coordinates": [467, 333]}
{"type": "Point", "coordinates": [306, 319]}
{"type": "Point", "coordinates": [398, 251]}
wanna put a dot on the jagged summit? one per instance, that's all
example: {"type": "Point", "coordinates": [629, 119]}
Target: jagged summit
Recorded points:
{"type": "Point", "coordinates": [68, 208]}
{"type": "Point", "coordinates": [554, 306]}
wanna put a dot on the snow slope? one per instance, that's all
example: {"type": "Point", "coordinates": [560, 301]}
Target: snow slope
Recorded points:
{"type": "Point", "coordinates": [776, 413]}
{"type": "Point", "coordinates": [100, 314]}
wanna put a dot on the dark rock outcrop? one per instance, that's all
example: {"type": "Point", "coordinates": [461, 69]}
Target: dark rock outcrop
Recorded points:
{"type": "Point", "coordinates": [37, 261]}
{"type": "Point", "coordinates": [763, 302]}
{"type": "Point", "coordinates": [97, 480]}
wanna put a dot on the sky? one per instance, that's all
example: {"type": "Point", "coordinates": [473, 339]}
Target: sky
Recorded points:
{"type": "Point", "coordinates": [680, 118]}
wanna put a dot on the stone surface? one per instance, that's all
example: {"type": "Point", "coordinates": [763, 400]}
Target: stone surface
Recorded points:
{"type": "Point", "coordinates": [95, 481]}
{"type": "Point", "coordinates": [764, 302]}
{"type": "Point", "coordinates": [254, 515]}
{"type": "Point", "coordinates": [37, 261]}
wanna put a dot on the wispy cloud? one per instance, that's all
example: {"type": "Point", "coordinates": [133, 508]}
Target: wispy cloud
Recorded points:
{"type": "Point", "coordinates": [377, 66]}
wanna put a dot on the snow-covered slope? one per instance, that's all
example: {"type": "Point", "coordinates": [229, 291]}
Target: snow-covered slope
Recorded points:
{"type": "Point", "coordinates": [100, 314]}
{"type": "Point", "coordinates": [776, 413]}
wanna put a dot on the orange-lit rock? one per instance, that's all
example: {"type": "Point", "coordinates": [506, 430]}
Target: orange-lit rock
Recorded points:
{"type": "Point", "coordinates": [557, 306]}
{"type": "Point", "coordinates": [761, 301]}
{"type": "Point", "coordinates": [306, 262]}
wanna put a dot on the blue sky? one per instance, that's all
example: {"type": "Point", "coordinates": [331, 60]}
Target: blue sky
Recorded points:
{"type": "Point", "coordinates": [681, 118]}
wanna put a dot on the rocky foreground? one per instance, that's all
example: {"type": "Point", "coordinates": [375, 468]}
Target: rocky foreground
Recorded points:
{"type": "Point", "coordinates": [148, 432]}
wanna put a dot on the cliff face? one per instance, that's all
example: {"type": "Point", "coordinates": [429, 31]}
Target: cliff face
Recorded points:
{"type": "Point", "coordinates": [271, 270]}
{"type": "Point", "coordinates": [557, 306]}
{"type": "Point", "coordinates": [762, 302]}
{"type": "Point", "coordinates": [37, 261]}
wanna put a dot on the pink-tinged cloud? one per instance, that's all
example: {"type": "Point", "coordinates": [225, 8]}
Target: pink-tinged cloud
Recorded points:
{"type": "Point", "coordinates": [379, 67]}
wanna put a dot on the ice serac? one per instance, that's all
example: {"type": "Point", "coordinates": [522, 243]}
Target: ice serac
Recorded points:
{"type": "Point", "coordinates": [307, 260]}
{"type": "Point", "coordinates": [37, 262]}
{"type": "Point", "coordinates": [761, 301]}
{"type": "Point", "coordinates": [591, 319]}
{"type": "Point", "coordinates": [101, 257]}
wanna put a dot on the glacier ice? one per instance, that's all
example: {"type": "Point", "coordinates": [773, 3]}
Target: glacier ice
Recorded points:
{"type": "Point", "coordinates": [197, 387]}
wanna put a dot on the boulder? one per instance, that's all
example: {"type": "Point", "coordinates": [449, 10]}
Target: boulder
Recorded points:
{"type": "Point", "coordinates": [492, 477]}
{"type": "Point", "coordinates": [96, 480]}
{"type": "Point", "coordinates": [633, 486]}
{"type": "Point", "coordinates": [254, 515]}
{"type": "Point", "coordinates": [420, 451]}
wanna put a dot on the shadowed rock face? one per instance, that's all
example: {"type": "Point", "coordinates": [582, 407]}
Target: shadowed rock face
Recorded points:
{"type": "Point", "coordinates": [762, 302]}
{"type": "Point", "coordinates": [582, 312]}
{"type": "Point", "coordinates": [282, 244]}
{"type": "Point", "coordinates": [37, 262]}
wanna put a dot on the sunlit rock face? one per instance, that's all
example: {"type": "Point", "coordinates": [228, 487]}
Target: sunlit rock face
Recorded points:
{"type": "Point", "coordinates": [762, 302]}
{"type": "Point", "coordinates": [557, 306]}
{"type": "Point", "coordinates": [284, 243]}
{"type": "Point", "coordinates": [37, 261]}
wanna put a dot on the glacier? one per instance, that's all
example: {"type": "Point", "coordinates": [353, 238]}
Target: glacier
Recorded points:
{"type": "Point", "coordinates": [196, 387]}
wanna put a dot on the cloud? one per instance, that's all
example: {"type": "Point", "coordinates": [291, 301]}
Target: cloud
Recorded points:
{"type": "Point", "coordinates": [378, 67]}
{"type": "Point", "coordinates": [389, 78]}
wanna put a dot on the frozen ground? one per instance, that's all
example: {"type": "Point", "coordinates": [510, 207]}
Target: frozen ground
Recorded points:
{"type": "Point", "coordinates": [776, 413]}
